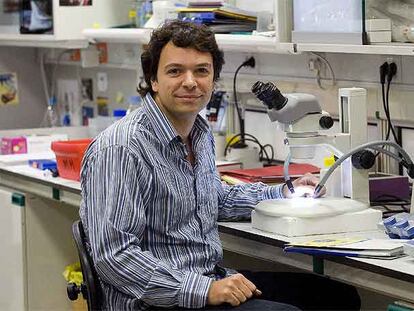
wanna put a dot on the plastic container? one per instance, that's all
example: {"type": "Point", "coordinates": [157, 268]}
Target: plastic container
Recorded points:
{"type": "Point", "coordinates": [69, 156]}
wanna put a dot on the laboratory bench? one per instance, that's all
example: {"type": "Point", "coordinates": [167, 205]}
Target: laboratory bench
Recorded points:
{"type": "Point", "coordinates": [51, 205]}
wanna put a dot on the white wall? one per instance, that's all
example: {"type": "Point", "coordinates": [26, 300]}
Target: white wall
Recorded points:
{"type": "Point", "coordinates": [29, 112]}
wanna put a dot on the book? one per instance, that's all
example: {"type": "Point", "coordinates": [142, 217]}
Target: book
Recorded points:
{"type": "Point", "coordinates": [350, 247]}
{"type": "Point", "coordinates": [271, 174]}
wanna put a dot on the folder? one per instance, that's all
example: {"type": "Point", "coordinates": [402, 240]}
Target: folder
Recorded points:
{"type": "Point", "coordinates": [271, 174]}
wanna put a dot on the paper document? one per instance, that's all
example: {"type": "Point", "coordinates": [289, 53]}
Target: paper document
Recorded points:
{"type": "Point", "coordinates": [351, 247]}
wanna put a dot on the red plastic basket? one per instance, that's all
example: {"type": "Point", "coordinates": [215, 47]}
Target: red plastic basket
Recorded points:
{"type": "Point", "coordinates": [69, 156]}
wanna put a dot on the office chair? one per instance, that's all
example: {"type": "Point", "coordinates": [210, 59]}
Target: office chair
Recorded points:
{"type": "Point", "coordinates": [90, 288]}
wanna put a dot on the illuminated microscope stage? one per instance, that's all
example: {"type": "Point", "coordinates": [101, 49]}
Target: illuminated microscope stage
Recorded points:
{"type": "Point", "coordinates": [308, 216]}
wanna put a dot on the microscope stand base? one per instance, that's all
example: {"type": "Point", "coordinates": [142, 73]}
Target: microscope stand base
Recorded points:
{"type": "Point", "coordinates": [365, 220]}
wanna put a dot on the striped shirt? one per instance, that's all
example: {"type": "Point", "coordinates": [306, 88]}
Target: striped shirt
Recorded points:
{"type": "Point", "coordinates": [151, 217]}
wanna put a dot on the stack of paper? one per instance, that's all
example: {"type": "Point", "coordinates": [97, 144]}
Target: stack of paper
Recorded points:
{"type": "Point", "coordinates": [220, 18]}
{"type": "Point", "coordinates": [350, 247]}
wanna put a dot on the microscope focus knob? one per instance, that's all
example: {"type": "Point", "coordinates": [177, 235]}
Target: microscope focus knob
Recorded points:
{"type": "Point", "coordinates": [326, 122]}
{"type": "Point", "coordinates": [363, 159]}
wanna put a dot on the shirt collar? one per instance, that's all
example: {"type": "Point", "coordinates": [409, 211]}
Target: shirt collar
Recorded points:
{"type": "Point", "coordinates": [163, 127]}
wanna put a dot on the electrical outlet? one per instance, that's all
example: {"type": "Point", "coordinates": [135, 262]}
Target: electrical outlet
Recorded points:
{"type": "Point", "coordinates": [250, 62]}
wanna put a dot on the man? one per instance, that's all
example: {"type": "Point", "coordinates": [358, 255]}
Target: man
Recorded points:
{"type": "Point", "coordinates": [152, 196]}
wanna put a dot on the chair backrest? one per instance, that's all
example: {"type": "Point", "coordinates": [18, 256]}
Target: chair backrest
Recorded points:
{"type": "Point", "coordinates": [90, 277]}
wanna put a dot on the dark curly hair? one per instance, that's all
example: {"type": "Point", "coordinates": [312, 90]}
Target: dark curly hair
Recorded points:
{"type": "Point", "coordinates": [181, 34]}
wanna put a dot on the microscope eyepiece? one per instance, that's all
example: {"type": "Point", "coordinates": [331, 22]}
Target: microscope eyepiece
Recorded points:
{"type": "Point", "coordinates": [269, 94]}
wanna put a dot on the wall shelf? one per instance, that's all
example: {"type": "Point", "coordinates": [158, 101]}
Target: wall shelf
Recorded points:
{"type": "Point", "coordinates": [237, 43]}
{"type": "Point", "coordinates": [254, 44]}
{"type": "Point", "coordinates": [119, 35]}
{"type": "Point", "coordinates": [44, 41]}
{"type": "Point", "coordinates": [68, 23]}
{"type": "Point", "coordinates": [384, 49]}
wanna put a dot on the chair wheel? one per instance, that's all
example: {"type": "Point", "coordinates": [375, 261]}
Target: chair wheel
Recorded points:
{"type": "Point", "coordinates": [73, 291]}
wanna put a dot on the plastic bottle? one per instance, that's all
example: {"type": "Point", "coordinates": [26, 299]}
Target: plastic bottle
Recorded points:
{"type": "Point", "coordinates": [134, 103]}
{"type": "Point", "coordinates": [132, 13]}
{"type": "Point", "coordinates": [333, 184]}
{"type": "Point", "coordinates": [138, 11]}
{"type": "Point", "coordinates": [51, 118]}
{"type": "Point", "coordinates": [145, 12]}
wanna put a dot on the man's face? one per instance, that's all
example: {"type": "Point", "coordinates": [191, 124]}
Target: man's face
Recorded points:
{"type": "Point", "coordinates": [184, 81]}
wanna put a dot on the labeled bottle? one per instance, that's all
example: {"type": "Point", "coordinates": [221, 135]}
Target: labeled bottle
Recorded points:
{"type": "Point", "coordinates": [334, 183]}
{"type": "Point", "coordinates": [134, 103]}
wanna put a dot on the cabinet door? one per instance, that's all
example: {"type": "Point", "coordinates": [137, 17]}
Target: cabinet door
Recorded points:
{"type": "Point", "coordinates": [49, 248]}
{"type": "Point", "coordinates": [12, 271]}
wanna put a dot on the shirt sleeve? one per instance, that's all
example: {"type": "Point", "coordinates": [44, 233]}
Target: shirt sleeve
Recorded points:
{"type": "Point", "coordinates": [113, 205]}
{"type": "Point", "coordinates": [237, 202]}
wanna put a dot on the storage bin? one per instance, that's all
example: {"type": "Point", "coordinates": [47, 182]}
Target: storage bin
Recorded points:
{"type": "Point", "coordinates": [69, 156]}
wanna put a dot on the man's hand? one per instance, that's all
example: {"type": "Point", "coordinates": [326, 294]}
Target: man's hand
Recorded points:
{"type": "Point", "coordinates": [234, 290]}
{"type": "Point", "coordinates": [304, 186]}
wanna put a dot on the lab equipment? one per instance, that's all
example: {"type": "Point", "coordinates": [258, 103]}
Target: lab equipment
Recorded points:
{"type": "Point", "coordinates": [303, 121]}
